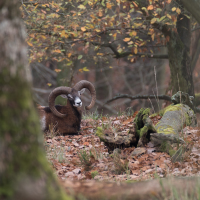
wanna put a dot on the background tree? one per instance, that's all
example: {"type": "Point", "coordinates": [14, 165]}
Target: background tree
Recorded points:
{"type": "Point", "coordinates": [24, 171]}
{"type": "Point", "coordinates": [79, 34]}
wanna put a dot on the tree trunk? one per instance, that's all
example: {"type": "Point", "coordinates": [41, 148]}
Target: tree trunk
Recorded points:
{"type": "Point", "coordinates": [179, 56]}
{"type": "Point", "coordinates": [193, 6]}
{"type": "Point", "coordinates": [24, 171]}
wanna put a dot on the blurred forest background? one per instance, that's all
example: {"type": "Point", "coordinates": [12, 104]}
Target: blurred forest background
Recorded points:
{"type": "Point", "coordinates": [121, 46]}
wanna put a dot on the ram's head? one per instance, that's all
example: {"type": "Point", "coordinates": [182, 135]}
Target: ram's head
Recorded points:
{"type": "Point", "coordinates": [73, 95]}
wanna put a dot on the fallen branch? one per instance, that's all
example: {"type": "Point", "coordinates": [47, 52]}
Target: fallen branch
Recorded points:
{"type": "Point", "coordinates": [169, 188]}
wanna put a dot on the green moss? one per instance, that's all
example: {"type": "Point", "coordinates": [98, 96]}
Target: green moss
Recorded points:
{"type": "Point", "coordinates": [94, 173]}
{"type": "Point", "coordinates": [166, 129]}
{"type": "Point", "coordinates": [172, 152]}
{"type": "Point", "coordinates": [143, 130]}
{"type": "Point", "coordinates": [99, 133]}
{"type": "Point", "coordinates": [173, 107]}
{"type": "Point", "coordinates": [140, 117]}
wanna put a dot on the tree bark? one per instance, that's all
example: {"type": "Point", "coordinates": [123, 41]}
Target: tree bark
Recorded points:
{"type": "Point", "coordinates": [193, 6]}
{"type": "Point", "coordinates": [24, 171]}
{"type": "Point", "coordinates": [179, 56]}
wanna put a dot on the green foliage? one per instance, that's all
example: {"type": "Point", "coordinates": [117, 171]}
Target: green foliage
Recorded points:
{"type": "Point", "coordinates": [85, 159]}
{"type": "Point", "coordinates": [54, 27]}
{"type": "Point", "coordinates": [94, 173]}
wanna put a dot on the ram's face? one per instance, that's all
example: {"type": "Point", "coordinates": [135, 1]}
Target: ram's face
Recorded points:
{"type": "Point", "coordinates": [75, 97]}
{"type": "Point", "coordinates": [75, 100]}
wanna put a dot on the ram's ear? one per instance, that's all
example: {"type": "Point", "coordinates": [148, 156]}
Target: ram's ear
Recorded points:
{"type": "Point", "coordinates": [82, 91]}
{"type": "Point", "coordinates": [64, 96]}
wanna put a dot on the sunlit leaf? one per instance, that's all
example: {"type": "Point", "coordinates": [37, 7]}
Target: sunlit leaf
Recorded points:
{"type": "Point", "coordinates": [57, 51]}
{"type": "Point", "coordinates": [83, 28]}
{"type": "Point", "coordinates": [178, 10]}
{"type": "Point", "coordinates": [133, 33]}
{"type": "Point", "coordinates": [29, 44]}
{"type": "Point", "coordinates": [108, 5]}
{"type": "Point", "coordinates": [81, 6]}
{"type": "Point", "coordinates": [57, 70]}
{"type": "Point", "coordinates": [127, 39]}
{"type": "Point", "coordinates": [163, 17]}
{"type": "Point", "coordinates": [135, 50]}
{"type": "Point", "coordinates": [173, 9]}
{"type": "Point", "coordinates": [64, 34]}
{"type": "Point", "coordinates": [49, 84]}
{"type": "Point", "coordinates": [153, 20]}
{"type": "Point", "coordinates": [150, 7]}
{"type": "Point", "coordinates": [80, 56]}
{"type": "Point", "coordinates": [85, 69]}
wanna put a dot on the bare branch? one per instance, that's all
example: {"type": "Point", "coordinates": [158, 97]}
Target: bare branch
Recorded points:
{"type": "Point", "coordinates": [119, 96]}
{"type": "Point", "coordinates": [148, 55]}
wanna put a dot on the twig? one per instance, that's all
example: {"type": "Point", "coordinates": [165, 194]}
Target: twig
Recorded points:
{"type": "Point", "coordinates": [119, 96]}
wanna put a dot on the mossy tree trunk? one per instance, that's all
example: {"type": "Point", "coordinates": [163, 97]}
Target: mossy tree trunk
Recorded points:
{"type": "Point", "coordinates": [24, 170]}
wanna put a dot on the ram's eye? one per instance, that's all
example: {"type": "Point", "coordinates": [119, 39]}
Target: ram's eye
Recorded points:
{"type": "Point", "coordinates": [70, 96]}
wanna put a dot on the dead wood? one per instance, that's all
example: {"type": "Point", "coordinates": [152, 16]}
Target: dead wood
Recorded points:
{"type": "Point", "coordinates": [169, 188]}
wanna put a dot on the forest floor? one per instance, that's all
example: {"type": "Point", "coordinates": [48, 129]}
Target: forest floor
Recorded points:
{"type": "Point", "coordinates": [84, 156]}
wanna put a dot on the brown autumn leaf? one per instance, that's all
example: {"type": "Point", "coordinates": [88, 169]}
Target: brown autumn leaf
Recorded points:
{"type": "Point", "coordinates": [150, 7]}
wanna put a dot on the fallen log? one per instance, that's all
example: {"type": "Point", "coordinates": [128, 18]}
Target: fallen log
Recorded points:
{"type": "Point", "coordinates": [169, 188]}
{"type": "Point", "coordinates": [174, 118]}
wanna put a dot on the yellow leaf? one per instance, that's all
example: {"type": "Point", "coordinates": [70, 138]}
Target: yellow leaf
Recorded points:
{"type": "Point", "coordinates": [169, 1]}
{"type": "Point", "coordinates": [169, 16]}
{"type": "Point", "coordinates": [150, 7]}
{"type": "Point", "coordinates": [57, 51]}
{"type": "Point", "coordinates": [69, 55]}
{"type": "Point", "coordinates": [135, 50]}
{"type": "Point", "coordinates": [153, 20]}
{"type": "Point", "coordinates": [100, 13]}
{"type": "Point", "coordinates": [83, 28]}
{"type": "Point", "coordinates": [152, 36]}
{"type": "Point", "coordinates": [64, 34]}
{"type": "Point", "coordinates": [108, 5]}
{"type": "Point", "coordinates": [57, 70]}
{"type": "Point", "coordinates": [115, 35]}
{"type": "Point", "coordinates": [131, 42]}
{"type": "Point", "coordinates": [29, 44]}
{"type": "Point", "coordinates": [127, 39]}
{"type": "Point", "coordinates": [133, 33]}
{"type": "Point", "coordinates": [178, 10]}
{"type": "Point", "coordinates": [85, 69]}
{"type": "Point", "coordinates": [81, 6]}
{"type": "Point", "coordinates": [174, 8]}
{"type": "Point", "coordinates": [49, 84]}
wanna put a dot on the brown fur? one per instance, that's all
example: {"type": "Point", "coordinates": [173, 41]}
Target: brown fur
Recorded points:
{"type": "Point", "coordinates": [67, 125]}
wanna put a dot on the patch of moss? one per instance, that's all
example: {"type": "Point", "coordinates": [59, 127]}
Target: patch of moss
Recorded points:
{"type": "Point", "coordinates": [172, 152]}
{"type": "Point", "coordinates": [166, 129]}
{"type": "Point", "coordinates": [99, 133]}
{"type": "Point", "coordinates": [143, 130]}
{"type": "Point", "coordinates": [140, 118]}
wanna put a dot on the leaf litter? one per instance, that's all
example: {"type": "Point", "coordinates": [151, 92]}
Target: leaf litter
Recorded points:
{"type": "Point", "coordinates": [84, 156]}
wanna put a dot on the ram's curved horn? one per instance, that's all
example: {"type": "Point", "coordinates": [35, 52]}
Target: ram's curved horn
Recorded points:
{"type": "Point", "coordinates": [86, 84]}
{"type": "Point", "coordinates": [56, 92]}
